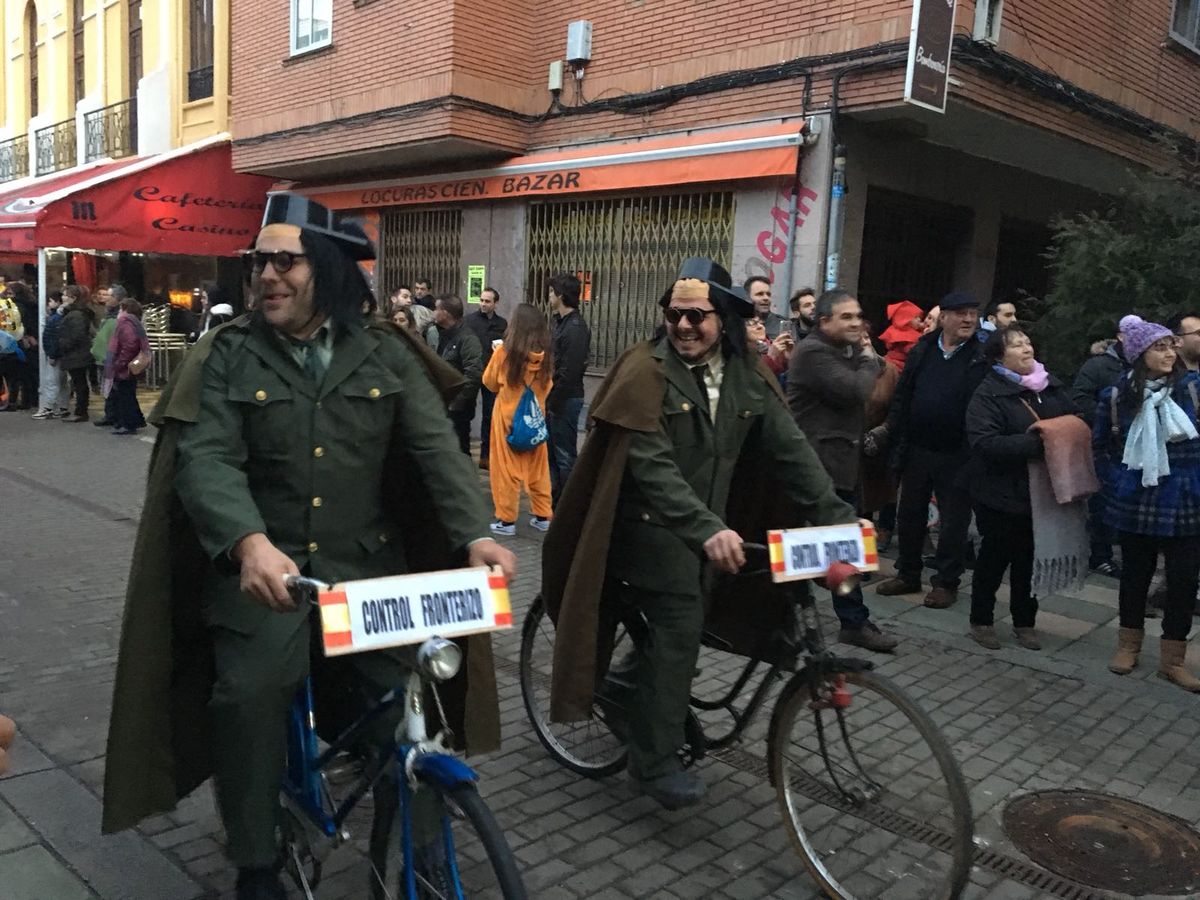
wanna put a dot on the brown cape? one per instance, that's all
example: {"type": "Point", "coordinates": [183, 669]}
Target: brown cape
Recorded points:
{"type": "Point", "coordinates": [158, 737]}
{"type": "Point", "coordinates": [575, 552]}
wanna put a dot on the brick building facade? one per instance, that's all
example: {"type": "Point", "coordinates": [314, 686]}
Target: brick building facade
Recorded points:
{"type": "Point", "coordinates": [434, 122]}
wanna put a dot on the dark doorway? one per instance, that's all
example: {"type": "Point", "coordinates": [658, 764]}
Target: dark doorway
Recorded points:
{"type": "Point", "coordinates": [910, 250]}
{"type": "Point", "coordinates": [1021, 260]}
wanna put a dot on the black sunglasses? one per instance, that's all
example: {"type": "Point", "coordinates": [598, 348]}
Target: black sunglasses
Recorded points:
{"type": "Point", "coordinates": [675, 314]}
{"type": "Point", "coordinates": [281, 260]}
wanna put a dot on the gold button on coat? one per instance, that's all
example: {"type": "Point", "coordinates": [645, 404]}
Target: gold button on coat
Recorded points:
{"type": "Point", "coordinates": [383, 539]}
{"type": "Point", "coordinates": [313, 547]}
{"type": "Point", "coordinates": [373, 393]}
{"type": "Point", "coordinates": [316, 501]}
{"type": "Point", "coordinates": [318, 452]}
{"type": "Point", "coordinates": [685, 406]}
{"type": "Point", "coordinates": [260, 395]}
{"type": "Point", "coordinates": [645, 517]}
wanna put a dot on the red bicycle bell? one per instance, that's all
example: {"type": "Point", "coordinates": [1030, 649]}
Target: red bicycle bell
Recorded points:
{"type": "Point", "coordinates": [842, 577]}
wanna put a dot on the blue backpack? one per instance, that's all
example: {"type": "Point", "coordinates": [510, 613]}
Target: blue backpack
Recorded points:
{"type": "Point", "coordinates": [529, 425]}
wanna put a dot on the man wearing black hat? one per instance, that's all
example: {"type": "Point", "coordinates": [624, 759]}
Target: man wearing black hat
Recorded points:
{"type": "Point", "coordinates": [925, 431]}
{"type": "Point", "coordinates": [283, 446]}
{"type": "Point", "coordinates": [683, 427]}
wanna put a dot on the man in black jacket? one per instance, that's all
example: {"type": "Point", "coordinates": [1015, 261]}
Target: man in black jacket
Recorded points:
{"type": "Point", "coordinates": [1097, 374]}
{"type": "Point", "coordinates": [572, 344]}
{"type": "Point", "coordinates": [487, 325]}
{"type": "Point", "coordinates": [926, 433]}
{"type": "Point", "coordinates": [459, 347]}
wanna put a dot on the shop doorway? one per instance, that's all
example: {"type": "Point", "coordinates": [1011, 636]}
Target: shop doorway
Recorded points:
{"type": "Point", "coordinates": [910, 251]}
{"type": "Point", "coordinates": [1021, 262]}
{"type": "Point", "coordinates": [625, 251]}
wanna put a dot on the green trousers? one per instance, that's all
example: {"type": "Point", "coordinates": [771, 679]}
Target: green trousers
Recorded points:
{"type": "Point", "coordinates": [257, 677]}
{"type": "Point", "coordinates": [665, 667]}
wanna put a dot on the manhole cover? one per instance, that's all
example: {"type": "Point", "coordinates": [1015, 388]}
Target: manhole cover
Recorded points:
{"type": "Point", "coordinates": [1106, 842]}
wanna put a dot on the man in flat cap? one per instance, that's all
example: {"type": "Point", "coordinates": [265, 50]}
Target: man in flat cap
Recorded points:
{"type": "Point", "coordinates": [671, 478]}
{"type": "Point", "coordinates": [926, 436]}
{"type": "Point", "coordinates": [283, 442]}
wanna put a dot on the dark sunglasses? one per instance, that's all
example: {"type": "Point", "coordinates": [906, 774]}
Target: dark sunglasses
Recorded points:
{"type": "Point", "coordinates": [281, 260]}
{"type": "Point", "coordinates": [674, 315]}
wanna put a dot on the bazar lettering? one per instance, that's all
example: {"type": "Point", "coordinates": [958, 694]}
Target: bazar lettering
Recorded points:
{"type": "Point", "coordinates": [473, 188]}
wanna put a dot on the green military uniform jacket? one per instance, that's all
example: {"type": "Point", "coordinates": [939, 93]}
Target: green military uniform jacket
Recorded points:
{"type": "Point", "coordinates": [356, 478]}
{"type": "Point", "coordinates": [656, 478]}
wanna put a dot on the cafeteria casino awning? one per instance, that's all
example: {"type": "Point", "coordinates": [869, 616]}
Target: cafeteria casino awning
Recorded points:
{"type": "Point", "coordinates": [186, 201]}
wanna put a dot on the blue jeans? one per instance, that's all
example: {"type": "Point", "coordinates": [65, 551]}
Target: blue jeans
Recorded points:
{"type": "Point", "coordinates": [851, 609]}
{"type": "Point", "coordinates": [564, 443]}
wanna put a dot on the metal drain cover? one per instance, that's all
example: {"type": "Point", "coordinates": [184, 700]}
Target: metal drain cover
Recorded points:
{"type": "Point", "coordinates": [1106, 842]}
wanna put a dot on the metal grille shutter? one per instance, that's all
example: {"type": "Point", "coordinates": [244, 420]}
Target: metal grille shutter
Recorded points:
{"type": "Point", "coordinates": [419, 243]}
{"type": "Point", "coordinates": [626, 251]}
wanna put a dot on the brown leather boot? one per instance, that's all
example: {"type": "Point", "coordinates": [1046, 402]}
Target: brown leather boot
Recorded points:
{"type": "Point", "coordinates": [940, 597]}
{"type": "Point", "coordinates": [1129, 645]}
{"type": "Point", "coordinates": [1172, 668]}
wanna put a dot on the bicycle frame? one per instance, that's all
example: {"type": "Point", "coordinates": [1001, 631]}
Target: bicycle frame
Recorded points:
{"type": "Point", "coordinates": [417, 758]}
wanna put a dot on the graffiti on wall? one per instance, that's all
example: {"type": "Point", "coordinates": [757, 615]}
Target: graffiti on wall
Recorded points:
{"type": "Point", "coordinates": [775, 243]}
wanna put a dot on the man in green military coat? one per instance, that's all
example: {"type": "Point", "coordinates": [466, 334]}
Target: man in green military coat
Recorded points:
{"type": "Point", "coordinates": [674, 427]}
{"type": "Point", "coordinates": [303, 416]}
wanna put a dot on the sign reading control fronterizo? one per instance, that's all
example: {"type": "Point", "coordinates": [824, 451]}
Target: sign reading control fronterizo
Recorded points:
{"type": "Point", "coordinates": [926, 83]}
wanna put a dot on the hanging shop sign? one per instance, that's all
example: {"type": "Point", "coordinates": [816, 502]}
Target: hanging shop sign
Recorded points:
{"type": "Point", "coordinates": [926, 83]}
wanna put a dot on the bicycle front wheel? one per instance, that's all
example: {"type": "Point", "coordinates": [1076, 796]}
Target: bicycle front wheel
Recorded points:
{"type": "Point", "coordinates": [874, 802]}
{"type": "Point", "coordinates": [588, 748]}
{"type": "Point", "coordinates": [473, 860]}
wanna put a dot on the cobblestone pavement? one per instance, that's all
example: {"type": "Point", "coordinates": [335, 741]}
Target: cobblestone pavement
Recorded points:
{"type": "Point", "coordinates": [1018, 722]}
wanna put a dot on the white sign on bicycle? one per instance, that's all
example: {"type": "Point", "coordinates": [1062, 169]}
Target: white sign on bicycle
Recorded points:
{"type": "Point", "coordinates": [803, 553]}
{"type": "Point", "coordinates": [376, 613]}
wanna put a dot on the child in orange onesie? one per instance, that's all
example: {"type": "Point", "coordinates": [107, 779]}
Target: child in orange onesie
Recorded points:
{"type": "Point", "coordinates": [522, 359]}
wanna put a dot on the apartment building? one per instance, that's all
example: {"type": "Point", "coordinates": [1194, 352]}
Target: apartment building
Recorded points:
{"type": "Point", "coordinates": [114, 118]}
{"type": "Point", "coordinates": [514, 139]}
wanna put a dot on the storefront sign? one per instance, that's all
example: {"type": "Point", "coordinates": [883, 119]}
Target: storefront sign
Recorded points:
{"type": "Point", "coordinates": [191, 204]}
{"type": "Point", "coordinates": [476, 278]}
{"type": "Point", "coordinates": [409, 609]}
{"type": "Point", "coordinates": [804, 553]}
{"type": "Point", "coordinates": [926, 83]}
{"type": "Point", "coordinates": [582, 176]}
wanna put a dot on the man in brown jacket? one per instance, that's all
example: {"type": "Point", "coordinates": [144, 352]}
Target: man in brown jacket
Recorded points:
{"type": "Point", "coordinates": [830, 379]}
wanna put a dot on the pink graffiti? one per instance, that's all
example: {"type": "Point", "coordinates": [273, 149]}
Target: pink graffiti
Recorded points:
{"type": "Point", "coordinates": [771, 245]}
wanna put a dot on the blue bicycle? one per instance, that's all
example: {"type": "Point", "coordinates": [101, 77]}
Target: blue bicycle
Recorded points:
{"type": "Point", "coordinates": [462, 854]}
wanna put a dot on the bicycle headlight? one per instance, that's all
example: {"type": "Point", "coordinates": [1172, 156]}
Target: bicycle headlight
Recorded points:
{"type": "Point", "coordinates": [439, 658]}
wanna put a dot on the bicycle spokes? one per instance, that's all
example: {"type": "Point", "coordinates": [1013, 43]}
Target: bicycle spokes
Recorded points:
{"type": "Point", "coordinates": [871, 793]}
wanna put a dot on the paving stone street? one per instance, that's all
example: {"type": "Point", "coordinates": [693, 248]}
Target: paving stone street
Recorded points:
{"type": "Point", "coordinates": [1018, 721]}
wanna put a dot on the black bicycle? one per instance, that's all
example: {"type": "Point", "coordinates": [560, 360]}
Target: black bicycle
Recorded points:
{"type": "Point", "coordinates": [872, 797]}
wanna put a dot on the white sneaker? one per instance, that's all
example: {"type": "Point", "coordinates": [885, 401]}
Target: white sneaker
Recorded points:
{"type": "Point", "coordinates": [539, 523]}
{"type": "Point", "coordinates": [506, 528]}
{"type": "Point", "coordinates": [45, 414]}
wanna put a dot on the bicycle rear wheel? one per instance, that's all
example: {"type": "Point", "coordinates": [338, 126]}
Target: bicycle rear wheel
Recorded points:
{"type": "Point", "coordinates": [872, 797]}
{"type": "Point", "coordinates": [589, 748]}
{"type": "Point", "coordinates": [472, 861]}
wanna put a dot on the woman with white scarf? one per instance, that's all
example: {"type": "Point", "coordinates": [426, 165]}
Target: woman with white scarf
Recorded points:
{"type": "Point", "coordinates": [1148, 458]}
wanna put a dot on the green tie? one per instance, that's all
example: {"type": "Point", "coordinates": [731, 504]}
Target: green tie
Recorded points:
{"type": "Point", "coordinates": [313, 367]}
{"type": "Point", "coordinates": [698, 372]}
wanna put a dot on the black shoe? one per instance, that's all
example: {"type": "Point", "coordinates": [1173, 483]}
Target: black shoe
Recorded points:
{"type": "Point", "coordinates": [674, 791]}
{"type": "Point", "coordinates": [260, 884]}
{"type": "Point", "coordinates": [104, 423]}
{"type": "Point", "coordinates": [1111, 569]}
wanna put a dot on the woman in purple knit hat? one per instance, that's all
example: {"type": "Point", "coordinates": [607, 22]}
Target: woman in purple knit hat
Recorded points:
{"type": "Point", "coordinates": [1148, 459]}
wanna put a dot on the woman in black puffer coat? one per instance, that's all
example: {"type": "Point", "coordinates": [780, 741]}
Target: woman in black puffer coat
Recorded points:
{"type": "Point", "coordinates": [75, 333]}
{"type": "Point", "coordinates": [1012, 396]}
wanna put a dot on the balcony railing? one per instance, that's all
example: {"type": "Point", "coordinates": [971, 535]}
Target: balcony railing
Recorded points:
{"type": "Point", "coordinates": [14, 158]}
{"type": "Point", "coordinates": [111, 131]}
{"type": "Point", "coordinates": [55, 146]}
{"type": "Point", "coordinates": [200, 83]}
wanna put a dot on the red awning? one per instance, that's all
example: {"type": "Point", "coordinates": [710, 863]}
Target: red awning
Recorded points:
{"type": "Point", "coordinates": [187, 201]}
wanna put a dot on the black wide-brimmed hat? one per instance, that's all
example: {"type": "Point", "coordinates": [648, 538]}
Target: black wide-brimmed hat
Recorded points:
{"type": "Point", "coordinates": [721, 289]}
{"type": "Point", "coordinates": [309, 215]}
